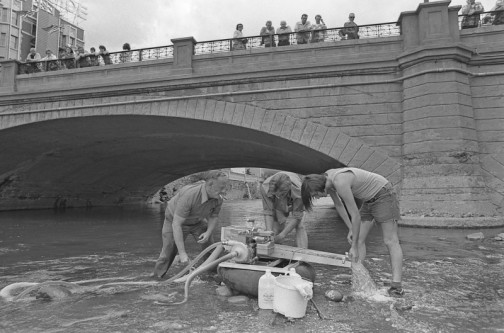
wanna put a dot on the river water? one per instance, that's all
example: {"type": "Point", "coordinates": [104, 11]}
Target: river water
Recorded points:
{"type": "Point", "coordinates": [452, 284]}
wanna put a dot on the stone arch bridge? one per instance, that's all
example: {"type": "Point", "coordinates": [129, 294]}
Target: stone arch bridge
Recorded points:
{"type": "Point", "coordinates": [424, 109]}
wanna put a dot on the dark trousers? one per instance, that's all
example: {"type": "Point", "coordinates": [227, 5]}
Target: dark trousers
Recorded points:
{"type": "Point", "coordinates": [169, 249]}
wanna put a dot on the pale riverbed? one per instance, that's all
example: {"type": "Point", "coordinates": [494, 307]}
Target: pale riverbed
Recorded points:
{"type": "Point", "coordinates": [452, 284]}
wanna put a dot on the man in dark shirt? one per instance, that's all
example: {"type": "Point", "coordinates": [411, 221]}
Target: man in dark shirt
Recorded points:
{"type": "Point", "coordinates": [188, 213]}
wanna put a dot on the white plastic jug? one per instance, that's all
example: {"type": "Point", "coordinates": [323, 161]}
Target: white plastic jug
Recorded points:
{"type": "Point", "coordinates": [266, 290]}
{"type": "Point", "coordinates": [291, 295]}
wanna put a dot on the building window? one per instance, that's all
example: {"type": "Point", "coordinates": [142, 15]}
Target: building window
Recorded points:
{"type": "Point", "coordinates": [13, 42]}
{"type": "Point", "coordinates": [3, 39]}
{"type": "Point", "coordinates": [15, 18]}
{"type": "Point", "coordinates": [3, 14]}
{"type": "Point", "coordinates": [34, 30]}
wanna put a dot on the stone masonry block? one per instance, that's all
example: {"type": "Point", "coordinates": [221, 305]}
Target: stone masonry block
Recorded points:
{"type": "Point", "coordinates": [329, 140]}
{"type": "Point", "coordinates": [267, 120]}
{"type": "Point", "coordinates": [200, 109]}
{"type": "Point", "coordinates": [155, 108]}
{"type": "Point", "coordinates": [350, 150]}
{"type": "Point", "coordinates": [339, 146]}
{"type": "Point", "coordinates": [258, 119]}
{"type": "Point", "coordinates": [238, 114]}
{"type": "Point", "coordinates": [362, 155]}
{"type": "Point", "coordinates": [191, 108]}
{"type": "Point", "coordinates": [437, 88]}
{"type": "Point", "coordinates": [248, 116]}
{"type": "Point", "coordinates": [395, 177]}
{"type": "Point", "coordinates": [288, 127]}
{"type": "Point", "coordinates": [308, 133]}
{"type": "Point", "coordinates": [499, 157]}
{"type": "Point", "coordinates": [145, 107]}
{"type": "Point", "coordinates": [439, 122]}
{"type": "Point", "coordinates": [453, 134]}
{"type": "Point", "coordinates": [318, 137]}
{"type": "Point", "coordinates": [298, 129]}
{"type": "Point", "coordinates": [228, 113]}
{"type": "Point", "coordinates": [277, 124]}
{"type": "Point", "coordinates": [211, 104]}
{"type": "Point", "coordinates": [493, 166]}
{"type": "Point", "coordinates": [495, 124]}
{"type": "Point", "coordinates": [439, 145]}
{"type": "Point", "coordinates": [219, 111]}
{"type": "Point", "coordinates": [437, 110]}
{"type": "Point", "coordinates": [181, 108]}
{"type": "Point", "coordinates": [388, 167]}
{"type": "Point", "coordinates": [171, 108]}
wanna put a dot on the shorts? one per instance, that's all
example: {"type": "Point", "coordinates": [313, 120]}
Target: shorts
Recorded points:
{"type": "Point", "coordinates": [270, 208]}
{"type": "Point", "coordinates": [384, 207]}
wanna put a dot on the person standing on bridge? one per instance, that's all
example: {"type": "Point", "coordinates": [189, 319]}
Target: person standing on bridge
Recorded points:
{"type": "Point", "coordinates": [281, 194]}
{"type": "Point", "coordinates": [350, 188]}
{"type": "Point", "coordinates": [193, 210]}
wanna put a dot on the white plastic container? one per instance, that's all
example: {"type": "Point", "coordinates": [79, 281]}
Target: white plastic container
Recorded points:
{"type": "Point", "coordinates": [291, 295]}
{"type": "Point", "coordinates": [266, 290]}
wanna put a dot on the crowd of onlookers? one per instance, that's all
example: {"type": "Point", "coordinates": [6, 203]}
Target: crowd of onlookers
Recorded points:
{"type": "Point", "coordinates": [69, 58]}
{"type": "Point", "coordinates": [472, 18]}
{"type": "Point", "coordinates": [304, 32]}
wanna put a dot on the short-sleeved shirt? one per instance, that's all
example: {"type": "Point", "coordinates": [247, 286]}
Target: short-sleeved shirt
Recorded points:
{"type": "Point", "coordinates": [366, 185]}
{"type": "Point", "coordinates": [292, 202]}
{"type": "Point", "coordinates": [193, 204]}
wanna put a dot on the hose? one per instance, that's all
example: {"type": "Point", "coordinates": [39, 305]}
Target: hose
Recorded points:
{"type": "Point", "coordinates": [32, 286]}
{"type": "Point", "coordinates": [196, 273]}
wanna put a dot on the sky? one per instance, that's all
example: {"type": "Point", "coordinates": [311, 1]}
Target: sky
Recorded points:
{"type": "Point", "coordinates": [152, 23]}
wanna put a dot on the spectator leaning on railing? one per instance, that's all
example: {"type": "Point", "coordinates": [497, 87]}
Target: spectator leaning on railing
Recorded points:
{"type": "Point", "coordinates": [33, 58]}
{"type": "Point", "coordinates": [104, 55]}
{"type": "Point", "coordinates": [497, 17]}
{"type": "Point", "coordinates": [126, 54]}
{"type": "Point", "coordinates": [239, 42]}
{"type": "Point", "coordinates": [51, 63]}
{"type": "Point", "coordinates": [268, 32]}
{"type": "Point", "coordinates": [319, 33]}
{"type": "Point", "coordinates": [350, 29]}
{"type": "Point", "coordinates": [471, 12]}
{"type": "Point", "coordinates": [303, 30]}
{"type": "Point", "coordinates": [283, 34]}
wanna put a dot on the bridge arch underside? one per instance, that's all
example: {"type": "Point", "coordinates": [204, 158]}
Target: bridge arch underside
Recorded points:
{"type": "Point", "coordinates": [104, 160]}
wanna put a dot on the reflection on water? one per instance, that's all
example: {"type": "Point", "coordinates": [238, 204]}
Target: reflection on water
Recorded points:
{"type": "Point", "coordinates": [452, 285]}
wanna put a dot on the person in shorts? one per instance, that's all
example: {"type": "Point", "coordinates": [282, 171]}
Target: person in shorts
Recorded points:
{"type": "Point", "coordinates": [350, 188]}
{"type": "Point", "coordinates": [281, 196]}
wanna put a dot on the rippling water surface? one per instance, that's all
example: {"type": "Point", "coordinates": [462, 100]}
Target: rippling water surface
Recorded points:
{"type": "Point", "coordinates": [452, 284]}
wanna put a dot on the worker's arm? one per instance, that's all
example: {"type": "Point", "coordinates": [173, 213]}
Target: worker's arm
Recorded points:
{"type": "Point", "coordinates": [178, 236]}
{"type": "Point", "coordinates": [212, 222]}
{"type": "Point", "coordinates": [342, 183]}
{"type": "Point", "coordinates": [342, 212]}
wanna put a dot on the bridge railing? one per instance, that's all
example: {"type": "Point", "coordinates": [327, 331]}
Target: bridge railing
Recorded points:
{"type": "Point", "coordinates": [208, 47]}
{"type": "Point", "coordinates": [481, 19]}
{"type": "Point", "coordinates": [316, 36]}
{"type": "Point", "coordinates": [90, 60]}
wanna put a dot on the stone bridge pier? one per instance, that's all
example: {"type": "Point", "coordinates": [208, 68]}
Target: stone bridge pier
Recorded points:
{"type": "Point", "coordinates": [424, 108]}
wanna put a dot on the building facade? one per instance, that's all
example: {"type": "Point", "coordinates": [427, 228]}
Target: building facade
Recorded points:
{"type": "Point", "coordinates": [38, 24]}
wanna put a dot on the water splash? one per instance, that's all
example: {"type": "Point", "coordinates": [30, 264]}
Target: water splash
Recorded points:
{"type": "Point", "coordinates": [362, 283]}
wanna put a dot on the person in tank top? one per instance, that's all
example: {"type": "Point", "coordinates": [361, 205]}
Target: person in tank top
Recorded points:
{"type": "Point", "coordinates": [349, 189]}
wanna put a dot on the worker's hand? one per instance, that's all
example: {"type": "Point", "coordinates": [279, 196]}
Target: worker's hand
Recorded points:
{"type": "Point", "coordinates": [353, 254]}
{"type": "Point", "coordinates": [203, 238]}
{"type": "Point", "coordinates": [279, 239]}
{"type": "Point", "coordinates": [349, 237]}
{"type": "Point", "coordinates": [184, 258]}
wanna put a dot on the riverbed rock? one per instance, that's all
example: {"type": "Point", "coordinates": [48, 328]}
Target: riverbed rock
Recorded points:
{"type": "Point", "coordinates": [223, 291]}
{"type": "Point", "coordinates": [238, 299]}
{"type": "Point", "coordinates": [475, 236]}
{"type": "Point", "coordinates": [49, 293]}
{"type": "Point", "coordinates": [334, 295]}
